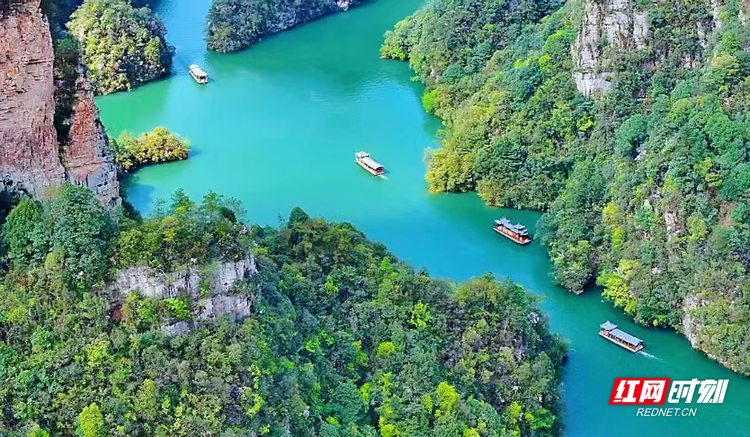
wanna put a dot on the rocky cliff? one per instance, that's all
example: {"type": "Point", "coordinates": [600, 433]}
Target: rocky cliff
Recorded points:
{"type": "Point", "coordinates": [86, 155]}
{"type": "Point", "coordinates": [31, 157]}
{"type": "Point", "coordinates": [612, 30]}
{"type": "Point", "coordinates": [29, 153]}
{"type": "Point", "coordinates": [189, 281]}
{"type": "Point", "coordinates": [186, 281]}
{"type": "Point", "coordinates": [609, 26]}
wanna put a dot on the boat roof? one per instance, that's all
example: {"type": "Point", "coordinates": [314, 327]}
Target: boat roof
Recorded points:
{"type": "Point", "coordinates": [197, 69]}
{"type": "Point", "coordinates": [517, 228]}
{"type": "Point", "coordinates": [364, 157]}
{"type": "Point", "coordinates": [371, 163]}
{"type": "Point", "coordinates": [624, 336]}
{"type": "Point", "coordinates": [608, 326]}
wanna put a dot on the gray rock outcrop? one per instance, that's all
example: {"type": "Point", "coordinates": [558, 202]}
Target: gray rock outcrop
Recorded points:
{"type": "Point", "coordinates": [608, 27]}
{"type": "Point", "coordinates": [238, 307]}
{"type": "Point", "coordinates": [186, 281]}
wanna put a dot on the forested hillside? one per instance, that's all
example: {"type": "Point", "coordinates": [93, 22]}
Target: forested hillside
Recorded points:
{"type": "Point", "coordinates": [328, 334]}
{"type": "Point", "coordinates": [627, 123]}
{"type": "Point", "coordinates": [233, 25]}
{"type": "Point", "coordinates": [121, 46]}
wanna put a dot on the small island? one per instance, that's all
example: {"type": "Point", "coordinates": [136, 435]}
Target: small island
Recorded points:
{"type": "Point", "coordinates": [233, 25]}
{"type": "Point", "coordinates": [121, 46]}
{"type": "Point", "coordinates": [154, 147]}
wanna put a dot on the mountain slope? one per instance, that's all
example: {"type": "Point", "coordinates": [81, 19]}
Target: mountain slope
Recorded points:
{"type": "Point", "coordinates": [191, 323]}
{"type": "Point", "coordinates": [625, 121]}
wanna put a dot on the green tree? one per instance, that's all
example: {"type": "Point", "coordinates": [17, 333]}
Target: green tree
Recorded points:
{"type": "Point", "coordinates": [91, 422]}
{"type": "Point", "coordinates": [82, 231]}
{"type": "Point", "coordinates": [26, 233]}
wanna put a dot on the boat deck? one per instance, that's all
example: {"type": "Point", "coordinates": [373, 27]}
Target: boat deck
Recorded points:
{"type": "Point", "coordinates": [516, 233]}
{"type": "Point", "coordinates": [611, 332]}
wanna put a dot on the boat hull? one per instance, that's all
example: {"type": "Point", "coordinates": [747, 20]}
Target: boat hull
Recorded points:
{"type": "Point", "coordinates": [511, 237]}
{"type": "Point", "coordinates": [621, 344]}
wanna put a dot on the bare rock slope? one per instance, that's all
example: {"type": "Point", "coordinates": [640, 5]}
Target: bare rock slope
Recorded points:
{"type": "Point", "coordinates": [31, 157]}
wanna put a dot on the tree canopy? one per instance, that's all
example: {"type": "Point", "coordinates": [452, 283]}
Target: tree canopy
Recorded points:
{"type": "Point", "coordinates": [342, 338]}
{"type": "Point", "coordinates": [121, 46]}
{"type": "Point", "coordinates": [154, 147]}
{"type": "Point", "coordinates": [233, 25]}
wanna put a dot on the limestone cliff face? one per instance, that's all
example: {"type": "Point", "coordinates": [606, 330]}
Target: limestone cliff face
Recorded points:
{"type": "Point", "coordinates": [237, 307]}
{"type": "Point", "coordinates": [690, 324]}
{"type": "Point", "coordinates": [289, 14]}
{"type": "Point", "coordinates": [86, 156]}
{"type": "Point", "coordinates": [695, 331]}
{"type": "Point", "coordinates": [609, 26]}
{"type": "Point", "coordinates": [744, 10]}
{"type": "Point", "coordinates": [187, 281]}
{"type": "Point", "coordinates": [29, 153]}
{"type": "Point", "coordinates": [612, 28]}
{"type": "Point", "coordinates": [31, 158]}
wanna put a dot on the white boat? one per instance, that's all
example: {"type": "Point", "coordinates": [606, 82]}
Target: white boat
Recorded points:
{"type": "Point", "coordinates": [199, 75]}
{"type": "Point", "coordinates": [369, 164]}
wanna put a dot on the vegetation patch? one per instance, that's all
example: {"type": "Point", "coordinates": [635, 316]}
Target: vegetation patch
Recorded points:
{"type": "Point", "coordinates": [233, 25]}
{"type": "Point", "coordinates": [154, 147]}
{"type": "Point", "coordinates": [121, 46]}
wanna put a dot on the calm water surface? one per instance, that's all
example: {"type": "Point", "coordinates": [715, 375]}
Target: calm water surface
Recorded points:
{"type": "Point", "coordinates": [278, 126]}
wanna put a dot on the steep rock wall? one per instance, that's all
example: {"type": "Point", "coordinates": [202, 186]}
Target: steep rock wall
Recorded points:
{"type": "Point", "coordinates": [87, 157]}
{"type": "Point", "coordinates": [608, 27]}
{"type": "Point", "coordinates": [31, 158]}
{"type": "Point", "coordinates": [237, 307]}
{"type": "Point", "coordinates": [744, 10]}
{"type": "Point", "coordinates": [29, 153]}
{"type": "Point", "coordinates": [613, 28]}
{"type": "Point", "coordinates": [186, 281]}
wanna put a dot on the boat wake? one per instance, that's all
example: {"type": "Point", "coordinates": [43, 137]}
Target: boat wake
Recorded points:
{"type": "Point", "coordinates": [382, 176]}
{"type": "Point", "coordinates": [648, 355]}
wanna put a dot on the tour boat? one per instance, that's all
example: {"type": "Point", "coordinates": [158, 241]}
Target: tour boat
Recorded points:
{"type": "Point", "coordinates": [517, 233]}
{"type": "Point", "coordinates": [199, 75]}
{"type": "Point", "coordinates": [369, 164]}
{"type": "Point", "coordinates": [611, 332]}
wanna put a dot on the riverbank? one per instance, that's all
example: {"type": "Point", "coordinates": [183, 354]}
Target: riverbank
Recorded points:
{"type": "Point", "coordinates": [278, 128]}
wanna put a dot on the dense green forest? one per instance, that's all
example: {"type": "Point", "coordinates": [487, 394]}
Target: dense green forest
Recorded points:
{"type": "Point", "coordinates": [645, 185]}
{"type": "Point", "coordinates": [159, 145]}
{"type": "Point", "coordinates": [342, 338]}
{"type": "Point", "coordinates": [122, 46]}
{"type": "Point", "coordinates": [233, 25]}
